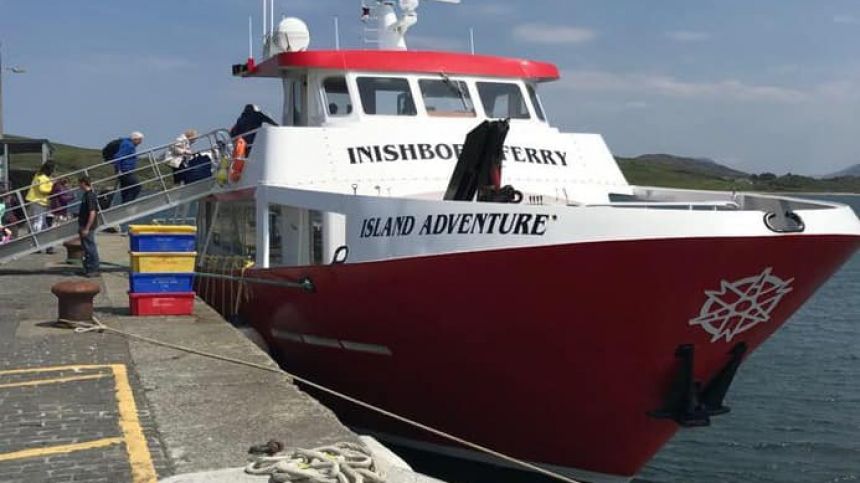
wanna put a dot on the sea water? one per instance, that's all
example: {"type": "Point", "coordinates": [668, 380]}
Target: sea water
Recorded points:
{"type": "Point", "coordinates": [795, 407]}
{"type": "Point", "coordinates": [795, 401]}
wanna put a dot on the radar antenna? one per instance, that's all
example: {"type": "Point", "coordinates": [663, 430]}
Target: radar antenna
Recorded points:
{"type": "Point", "coordinates": [390, 29]}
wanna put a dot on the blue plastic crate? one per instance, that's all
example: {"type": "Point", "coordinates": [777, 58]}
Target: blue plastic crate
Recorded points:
{"type": "Point", "coordinates": [163, 242]}
{"type": "Point", "coordinates": [161, 282]}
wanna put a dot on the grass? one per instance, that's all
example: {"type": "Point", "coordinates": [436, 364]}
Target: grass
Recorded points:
{"type": "Point", "coordinates": [68, 158]}
{"type": "Point", "coordinates": [647, 173]}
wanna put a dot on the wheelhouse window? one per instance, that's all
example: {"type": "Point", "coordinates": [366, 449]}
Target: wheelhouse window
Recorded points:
{"type": "Point", "coordinates": [295, 89]}
{"type": "Point", "coordinates": [503, 100]}
{"type": "Point", "coordinates": [337, 100]}
{"type": "Point", "coordinates": [386, 96]}
{"type": "Point", "coordinates": [446, 98]}
{"type": "Point", "coordinates": [536, 102]}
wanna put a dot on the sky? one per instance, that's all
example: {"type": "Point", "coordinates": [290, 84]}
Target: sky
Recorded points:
{"type": "Point", "coordinates": [769, 85]}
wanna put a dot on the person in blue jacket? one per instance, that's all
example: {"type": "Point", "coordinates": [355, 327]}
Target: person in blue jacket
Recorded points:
{"type": "Point", "coordinates": [125, 164]}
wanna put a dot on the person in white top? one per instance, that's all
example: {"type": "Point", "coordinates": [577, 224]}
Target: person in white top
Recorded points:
{"type": "Point", "coordinates": [178, 153]}
{"type": "Point", "coordinates": [177, 156]}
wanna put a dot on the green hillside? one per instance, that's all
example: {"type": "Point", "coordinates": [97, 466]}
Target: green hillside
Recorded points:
{"type": "Point", "coordinates": [850, 171]}
{"type": "Point", "coordinates": [679, 172]}
{"type": "Point", "coordinates": [67, 157]}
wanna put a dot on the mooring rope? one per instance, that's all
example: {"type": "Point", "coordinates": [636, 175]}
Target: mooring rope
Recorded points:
{"type": "Point", "coordinates": [305, 283]}
{"type": "Point", "coordinates": [338, 463]}
{"type": "Point", "coordinates": [245, 266]}
{"type": "Point", "coordinates": [97, 326]}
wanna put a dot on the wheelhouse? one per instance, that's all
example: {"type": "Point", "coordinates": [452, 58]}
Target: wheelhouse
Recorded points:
{"type": "Point", "coordinates": [328, 88]}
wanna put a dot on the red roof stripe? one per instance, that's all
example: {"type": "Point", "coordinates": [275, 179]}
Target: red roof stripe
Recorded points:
{"type": "Point", "coordinates": [407, 61]}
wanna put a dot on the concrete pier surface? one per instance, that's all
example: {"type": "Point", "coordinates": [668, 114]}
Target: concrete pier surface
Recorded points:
{"type": "Point", "coordinates": [98, 407]}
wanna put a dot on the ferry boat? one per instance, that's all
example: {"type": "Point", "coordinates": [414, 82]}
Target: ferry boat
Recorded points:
{"type": "Point", "coordinates": [564, 317]}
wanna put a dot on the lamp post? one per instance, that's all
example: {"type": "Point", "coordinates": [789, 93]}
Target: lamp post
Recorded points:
{"type": "Point", "coordinates": [14, 70]}
{"type": "Point", "coordinates": [4, 149]}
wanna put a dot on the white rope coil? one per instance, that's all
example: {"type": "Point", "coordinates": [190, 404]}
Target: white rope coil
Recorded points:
{"type": "Point", "coordinates": [338, 463]}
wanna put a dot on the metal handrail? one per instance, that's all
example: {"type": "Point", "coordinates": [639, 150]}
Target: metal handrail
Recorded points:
{"type": "Point", "coordinates": [217, 142]}
{"type": "Point", "coordinates": [667, 204]}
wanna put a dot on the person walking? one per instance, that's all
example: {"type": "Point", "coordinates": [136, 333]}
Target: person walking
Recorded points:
{"type": "Point", "coordinates": [39, 194]}
{"type": "Point", "coordinates": [125, 165]}
{"type": "Point", "coordinates": [178, 156]}
{"type": "Point", "coordinates": [87, 218]}
{"type": "Point", "coordinates": [178, 153]}
{"type": "Point", "coordinates": [250, 120]}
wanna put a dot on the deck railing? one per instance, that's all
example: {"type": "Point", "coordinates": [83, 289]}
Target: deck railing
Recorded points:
{"type": "Point", "coordinates": [671, 205]}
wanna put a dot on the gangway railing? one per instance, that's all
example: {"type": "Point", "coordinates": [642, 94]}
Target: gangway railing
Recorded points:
{"type": "Point", "coordinates": [161, 188]}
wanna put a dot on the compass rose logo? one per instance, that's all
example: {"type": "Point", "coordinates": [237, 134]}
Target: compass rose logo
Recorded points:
{"type": "Point", "coordinates": [741, 305]}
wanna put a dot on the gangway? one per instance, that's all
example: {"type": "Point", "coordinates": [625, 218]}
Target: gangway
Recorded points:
{"type": "Point", "coordinates": [158, 193]}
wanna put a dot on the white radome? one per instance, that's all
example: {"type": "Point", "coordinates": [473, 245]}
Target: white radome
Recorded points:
{"type": "Point", "coordinates": [292, 35]}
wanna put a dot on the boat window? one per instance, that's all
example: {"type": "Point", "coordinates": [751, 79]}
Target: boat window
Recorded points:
{"type": "Point", "coordinates": [535, 102]}
{"type": "Point", "coordinates": [234, 230]}
{"type": "Point", "coordinates": [387, 96]}
{"type": "Point", "coordinates": [276, 245]}
{"type": "Point", "coordinates": [294, 101]}
{"type": "Point", "coordinates": [316, 237]}
{"type": "Point", "coordinates": [446, 98]}
{"type": "Point", "coordinates": [337, 99]}
{"type": "Point", "coordinates": [503, 100]}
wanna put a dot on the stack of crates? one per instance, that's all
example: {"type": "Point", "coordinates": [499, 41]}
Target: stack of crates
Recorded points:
{"type": "Point", "coordinates": [161, 281]}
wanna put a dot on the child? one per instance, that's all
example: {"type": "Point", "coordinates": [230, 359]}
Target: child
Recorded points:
{"type": "Point", "coordinates": [61, 196]}
{"type": "Point", "coordinates": [5, 233]}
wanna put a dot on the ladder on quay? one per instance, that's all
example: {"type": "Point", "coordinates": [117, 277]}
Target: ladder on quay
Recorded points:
{"type": "Point", "coordinates": [158, 193]}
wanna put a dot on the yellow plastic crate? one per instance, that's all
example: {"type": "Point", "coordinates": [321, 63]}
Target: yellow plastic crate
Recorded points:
{"type": "Point", "coordinates": [163, 262]}
{"type": "Point", "coordinates": [172, 229]}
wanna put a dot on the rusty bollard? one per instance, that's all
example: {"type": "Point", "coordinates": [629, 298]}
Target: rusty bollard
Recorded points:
{"type": "Point", "coordinates": [74, 251]}
{"type": "Point", "coordinates": [75, 299]}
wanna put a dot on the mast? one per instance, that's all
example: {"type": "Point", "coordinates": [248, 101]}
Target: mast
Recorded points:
{"type": "Point", "coordinates": [391, 29]}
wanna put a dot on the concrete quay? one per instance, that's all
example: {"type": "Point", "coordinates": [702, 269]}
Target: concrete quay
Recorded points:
{"type": "Point", "coordinates": [98, 407]}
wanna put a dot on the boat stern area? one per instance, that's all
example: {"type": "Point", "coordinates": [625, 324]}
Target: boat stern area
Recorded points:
{"type": "Point", "coordinates": [101, 406]}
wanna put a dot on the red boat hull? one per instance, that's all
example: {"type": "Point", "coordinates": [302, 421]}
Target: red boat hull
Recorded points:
{"type": "Point", "coordinates": [551, 354]}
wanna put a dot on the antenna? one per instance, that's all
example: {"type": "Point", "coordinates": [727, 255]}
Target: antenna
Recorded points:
{"type": "Point", "coordinates": [391, 29]}
{"type": "Point", "coordinates": [263, 29]}
{"type": "Point", "coordinates": [472, 40]}
{"type": "Point", "coordinates": [250, 38]}
{"type": "Point", "coordinates": [271, 17]}
{"type": "Point", "coordinates": [336, 34]}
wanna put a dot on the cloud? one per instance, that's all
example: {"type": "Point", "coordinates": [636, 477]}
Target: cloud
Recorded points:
{"type": "Point", "coordinates": [668, 86]}
{"type": "Point", "coordinates": [687, 36]}
{"type": "Point", "coordinates": [846, 19]}
{"type": "Point", "coordinates": [840, 91]}
{"type": "Point", "coordinates": [494, 9]}
{"type": "Point", "coordinates": [148, 63]}
{"type": "Point", "coordinates": [636, 105]}
{"type": "Point", "coordinates": [430, 42]}
{"type": "Point", "coordinates": [541, 33]}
